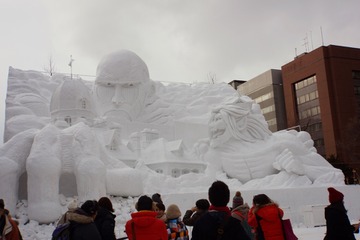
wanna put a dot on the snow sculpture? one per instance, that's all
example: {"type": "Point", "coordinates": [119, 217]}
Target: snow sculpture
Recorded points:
{"type": "Point", "coordinates": [60, 136]}
{"type": "Point", "coordinates": [124, 91]}
{"type": "Point", "coordinates": [242, 146]}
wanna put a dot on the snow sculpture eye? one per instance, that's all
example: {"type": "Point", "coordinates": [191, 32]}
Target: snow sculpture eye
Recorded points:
{"type": "Point", "coordinates": [105, 92]}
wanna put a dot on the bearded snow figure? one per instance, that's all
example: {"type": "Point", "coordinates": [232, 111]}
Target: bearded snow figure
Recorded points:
{"type": "Point", "coordinates": [124, 92]}
{"type": "Point", "coordinates": [244, 148]}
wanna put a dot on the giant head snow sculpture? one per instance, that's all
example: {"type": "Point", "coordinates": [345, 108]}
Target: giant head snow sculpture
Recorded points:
{"type": "Point", "coordinates": [122, 86]}
{"type": "Point", "coordinates": [243, 147]}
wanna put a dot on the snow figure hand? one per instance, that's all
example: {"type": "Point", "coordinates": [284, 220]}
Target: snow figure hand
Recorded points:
{"type": "Point", "coordinates": [286, 161]}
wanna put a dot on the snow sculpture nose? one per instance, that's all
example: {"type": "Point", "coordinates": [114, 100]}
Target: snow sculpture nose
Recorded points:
{"type": "Point", "coordinates": [117, 99]}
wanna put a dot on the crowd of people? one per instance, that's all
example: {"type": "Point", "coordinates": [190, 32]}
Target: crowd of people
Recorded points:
{"type": "Point", "coordinates": [210, 219]}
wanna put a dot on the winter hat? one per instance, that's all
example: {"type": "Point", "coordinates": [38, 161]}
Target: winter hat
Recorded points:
{"type": "Point", "coordinates": [202, 204]}
{"type": "Point", "coordinates": [144, 203]}
{"type": "Point", "coordinates": [90, 207]}
{"type": "Point", "coordinates": [105, 202]}
{"type": "Point", "coordinates": [173, 212]}
{"type": "Point", "coordinates": [237, 200]}
{"type": "Point", "coordinates": [335, 196]}
{"type": "Point", "coordinates": [219, 194]}
{"type": "Point", "coordinates": [73, 205]}
{"type": "Point", "coordinates": [2, 204]}
{"type": "Point", "coordinates": [156, 197]}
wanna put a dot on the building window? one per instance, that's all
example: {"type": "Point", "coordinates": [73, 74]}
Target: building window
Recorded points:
{"type": "Point", "coordinates": [264, 97]}
{"type": "Point", "coordinates": [268, 109]}
{"type": "Point", "coordinates": [272, 122]}
{"type": "Point", "coordinates": [306, 82]}
{"type": "Point", "coordinates": [195, 171]}
{"type": "Point", "coordinates": [356, 74]}
{"type": "Point", "coordinates": [185, 171]}
{"type": "Point", "coordinates": [159, 171]}
{"type": "Point", "coordinates": [319, 142]}
{"type": "Point", "coordinates": [68, 120]}
{"type": "Point", "coordinates": [357, 90]}
{"type": "Point", "coordinates": [175, 173]}
{"type": "Point", "coordinates": [83, 103]}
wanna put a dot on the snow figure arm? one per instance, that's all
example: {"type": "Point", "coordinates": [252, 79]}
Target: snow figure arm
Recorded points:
{"type": "Point", "coordinates": [13, 156]}
{"type": "Point", "coordinates": [44, 168]}
{"type": "Point", "coordinates": [286, 161]}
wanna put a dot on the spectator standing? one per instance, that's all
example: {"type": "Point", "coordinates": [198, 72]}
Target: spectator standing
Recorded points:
{"type": "Point", "coordinates": [9, 229]}
{"type": "Point", "coordinates": [82, 221]}
{"type": "Point", "coordinates": [194, 214]}
{"type": "Point", "coordinates": [337, 222]}
{"type": "Point", "coordinates": [217, 223]}
{"type": "Point", "coordinates": [105, 219]}
{"type": "Point", "coordinates": [71, 208]}
{"type": "Point", "coordinates": [156, 197]}
{"type": "Point", "coordinates": [143, 224]}
{"type": "Point", "coordinates": [240, 211]}
{"type": "Point", "coordinates": [176, 229]}
{"type": "Point", "coordinates": [160, 211]}
{"type": "Point", "coordinates": [265, 217]}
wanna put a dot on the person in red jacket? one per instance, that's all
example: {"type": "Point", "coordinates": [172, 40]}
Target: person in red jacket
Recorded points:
{"type": "Point", "coordinates": [265, 217]}
{"type": "Point", "coordinates": [9, 229]}
{"type": "Point", "coordinates": [144, 225]}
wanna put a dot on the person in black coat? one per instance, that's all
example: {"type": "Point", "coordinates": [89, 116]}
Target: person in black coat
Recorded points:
{"type": "Point", "coordinates": [195, 213]}
{"type": "Point", "coordinates": [337, 222]}
{"type": "Point", "coordinates": [217, 223]}
{"type": "Point", "coordinates": [105, 219]}
{"type": "Point", "coordinates": [82, 222]}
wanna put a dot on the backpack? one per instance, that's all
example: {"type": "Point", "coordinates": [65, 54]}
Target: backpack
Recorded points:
{"type": "Point", "coordinates": [62, 232]}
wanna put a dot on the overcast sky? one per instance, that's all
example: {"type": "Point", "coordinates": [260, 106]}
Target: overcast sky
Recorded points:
{"type": "Point", "coordinates": [179, 40]}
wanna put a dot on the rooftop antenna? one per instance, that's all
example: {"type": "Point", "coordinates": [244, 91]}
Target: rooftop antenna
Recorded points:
{"type": "Point", "coordinates": [322, 37]}
{"type": "Point", "coordinates": [306, 43]}
{"type": "Point", "coordinates": [295, 52]}
{"type": "Point", "coordinates": [311, 39]}
{"type": "Point", "coordinates": [70, 65]}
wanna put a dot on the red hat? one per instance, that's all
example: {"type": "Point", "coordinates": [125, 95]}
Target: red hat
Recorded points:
{"type": "Point", "coordinates": [335, 196]}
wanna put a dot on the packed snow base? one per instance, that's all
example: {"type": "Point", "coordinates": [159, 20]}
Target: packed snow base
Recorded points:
{"type": "Point", "coordinates": [125, 135]}
{"type": "Point", "coordinates": [299, 198]}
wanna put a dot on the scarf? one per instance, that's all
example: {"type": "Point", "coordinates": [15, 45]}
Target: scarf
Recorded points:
{"type": "Point", "coordinates": [221, 209]}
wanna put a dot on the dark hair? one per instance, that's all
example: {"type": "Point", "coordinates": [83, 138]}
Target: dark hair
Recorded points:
{"type": "Point", "coordinates": [144, 203]}
{"type": "Point", "coordinates": [90, 207]}
{"type": "Point", "coordinates": [105, 202]}
{"type": "Point", "coordinates": [261, 199]}
{"type": "Point", "coordinates": [156, 197]}
{"type": "Point", "coordinates": [2, 204]}
{"type": "Point", "coordinates": [160, 206]}
{"type": "Point", "coordinates": [219, 194]}
{"type": "Point", "coordinates": [202, 204]}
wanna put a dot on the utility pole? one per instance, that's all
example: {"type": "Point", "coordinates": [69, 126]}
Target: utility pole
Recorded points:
{"type": "Point", "coordinates": [70, 65]}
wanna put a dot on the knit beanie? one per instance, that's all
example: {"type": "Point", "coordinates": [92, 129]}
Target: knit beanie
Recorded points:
{"type": "Point", "coordinates": [173, 212]}
{"type": "Point", "coordinates": [219, 194]}
{"type": "Point", "coordinates": [105, 202]}
{"type": "Point", "coordinates": [237, 200]}
{"type": "Point", "coordinates": [335, 196]}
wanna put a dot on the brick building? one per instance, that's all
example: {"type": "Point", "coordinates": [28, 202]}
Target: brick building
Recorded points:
{"type": "Point", "coordinates": [322, 95]}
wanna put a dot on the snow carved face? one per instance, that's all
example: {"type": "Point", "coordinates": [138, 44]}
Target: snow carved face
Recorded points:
{"type": "Point", "coordinates": [218, 131]}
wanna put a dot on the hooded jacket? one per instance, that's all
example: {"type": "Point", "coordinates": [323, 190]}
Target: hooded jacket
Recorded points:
{"type": "Point", "coordinates": [209, 224]}
{"type": "Point", "coordinates": [270, 216]}
{"type": "Point", "coordinates": [105, 222]}
{"type": "Point", "coordinates": [82, 226]}
{"type": "Point", "coordinates": [146, 226]}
